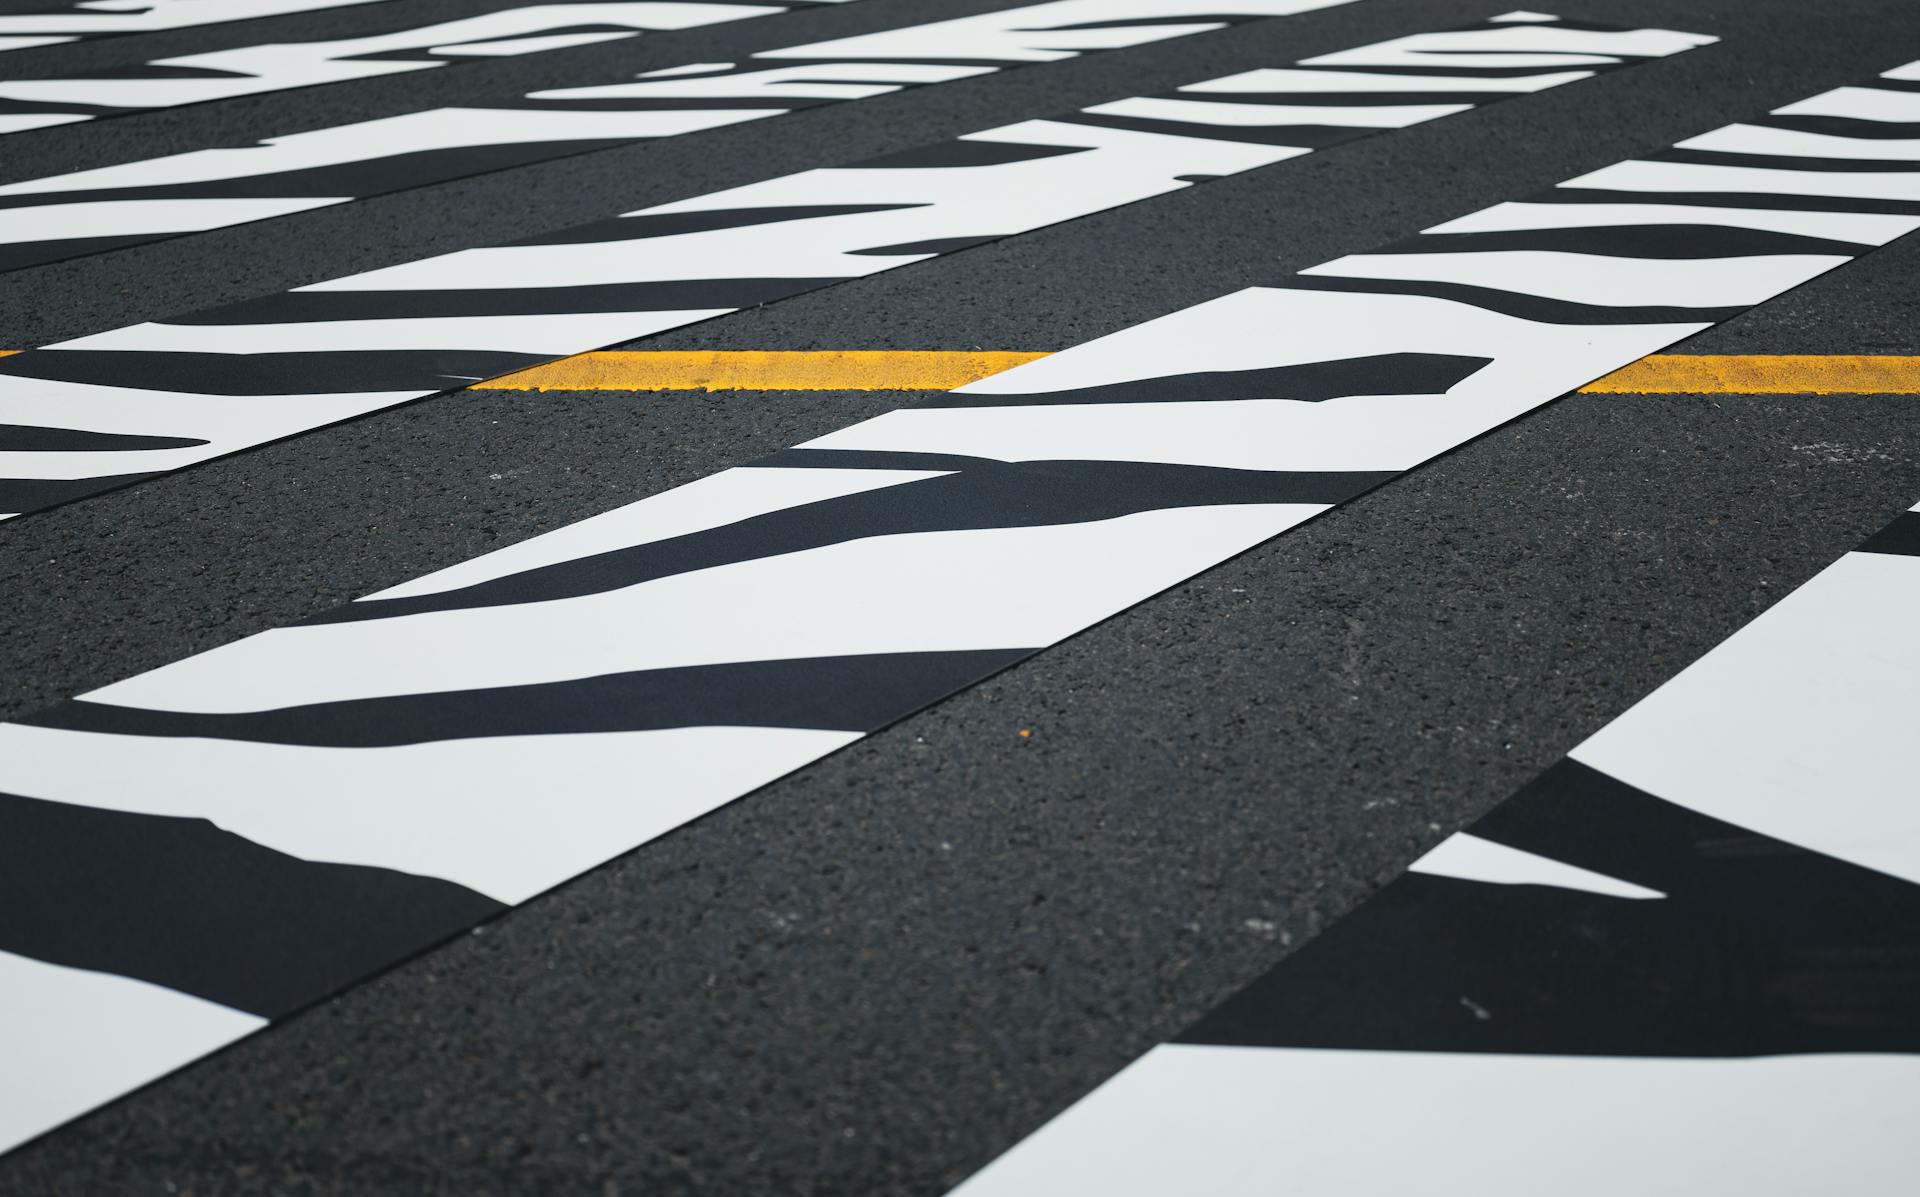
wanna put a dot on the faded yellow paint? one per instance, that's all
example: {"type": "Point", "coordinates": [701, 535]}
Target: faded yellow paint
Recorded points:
{"type": "Point", "coordinates": [1762, 374]}
{"type": "Point", "coordinates": [762, 370]}
{"type": "Point", "coordinates": [944, 369]}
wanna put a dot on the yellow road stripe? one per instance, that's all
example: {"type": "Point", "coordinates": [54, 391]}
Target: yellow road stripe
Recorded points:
{"type": "Point", "coordinates": [762, 370]}
{"type": "Point", "coordinates": [944, 369]}
{"type": "Point", "coordinates": [1760, 374]}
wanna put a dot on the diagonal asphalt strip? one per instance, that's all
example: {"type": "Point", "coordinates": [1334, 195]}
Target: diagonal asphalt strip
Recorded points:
{"type": "Point", "coordinates": [338, 349]}
{"type": "Point", "coordinates": [1682, 959]}
{"type": "Point", "coordinates": [253, 70]}
{"type": "Point", "coordinates": [94, 211]}
{"type": "Point", "coordinates": [86, 20]}
{"type": "Point", "coordinates": [461, 742]}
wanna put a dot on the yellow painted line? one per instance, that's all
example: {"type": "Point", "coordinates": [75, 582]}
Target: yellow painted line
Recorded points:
{"type": "Point", "coordinates": [945, 369]}
{"type": "Point", "coordinates": [762, 370]}
{"type": "Point", "coordinates": [10, 352]}
{"type": "Point", "coordinates": [1763, 374]}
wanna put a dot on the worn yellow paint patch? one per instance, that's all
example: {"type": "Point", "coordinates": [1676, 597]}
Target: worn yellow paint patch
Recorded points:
{"type": "Point", "coordinates": [1762, 374]}
{"type": "Point", "coordinates": [762, 370]}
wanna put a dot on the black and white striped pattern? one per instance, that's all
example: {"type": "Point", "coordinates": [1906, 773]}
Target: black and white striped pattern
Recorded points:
{"type": "Point", "coordinates": [1686, 959]}
{"type": "Point", "coordinates": [89, 20]}
{"type": "Point", "coordinates": [470, 738]}
{"type": "Point", "coordinates": [105, 410]}
{"type": "Point", "coordinates": [251, 70]}
{"type": "Point", "coordinates": [91, 211]}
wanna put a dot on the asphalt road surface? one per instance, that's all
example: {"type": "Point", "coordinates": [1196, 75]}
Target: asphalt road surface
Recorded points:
{"type": "Point", "coordinates": [877, 974]}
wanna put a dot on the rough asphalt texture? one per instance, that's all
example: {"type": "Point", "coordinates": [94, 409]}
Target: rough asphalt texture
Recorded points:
{"type": "Point", "coordinates": [877, 974]}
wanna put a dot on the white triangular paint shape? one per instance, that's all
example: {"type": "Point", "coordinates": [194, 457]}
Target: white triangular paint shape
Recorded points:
{"type": "Point", "coordinates": [1469, 858]}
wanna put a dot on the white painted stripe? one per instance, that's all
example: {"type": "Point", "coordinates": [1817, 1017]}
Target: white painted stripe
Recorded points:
{"type": "Point", "coordinates": [72, 1039]}
{"type": "Point", "coordinates": [1860, 103]}
{"type": "Point", "coordinates": [919, 592]}
{"type": "Point", "coordinates": [1466, 857]}
{"type": "Point", "coordinates": [1281, 79]}
{"type": "Point", "coordinates": [1383, 116]}
{"type": "Point", "coordinates": [115, 218]}
{"type": "Point", "coordinates": [556, 333]}
{"type": "Point", "coordinates": [1515, 46]}
{"type": "Point", "coordinates": [709, 502]}
{"type": "Point", "coordinates": [1046, 32]}
{"type": "Point", "coordinates": [1795, 726]}
{"type": "Point", "coordinates": [1692, 176]}
{"type": "Point", "coordinates": [1255, 1122]}
{"type": "Point", "coordinates": [1596, 279]}
{"type": "Point", "coordinates": [507, 816]}
{"type": "Point", "coordinates": [1863, 227]}
{"type": "Point", "coordinates": [1759, 139]}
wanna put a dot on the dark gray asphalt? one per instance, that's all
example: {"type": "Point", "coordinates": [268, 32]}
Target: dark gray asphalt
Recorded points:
{"type": "Point", "coordinates": [877, 974]}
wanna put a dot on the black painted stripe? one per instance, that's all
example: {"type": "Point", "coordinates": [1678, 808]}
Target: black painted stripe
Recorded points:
{"type": "Point", "coordinates": [1900, 538]}
{"type": "Point", "coordinates": [1305, 137]}
{"type": "Point", "coordinates": [678, 295]}
{"type": "Point", "coordinates": [31, 494]}
{"type": "Point", "coordinates": [985, 494]}
{"type": "Point", "coordinates": [962, 152]}
{"type": "Point", "coordinates": [181, 903]}
{"type": "Point", "coordinates": [675, 224]}
{"type": "Point", "coordinates": [1843, 126]}
{"type": "Point", "coordinates": [357, 179]}
{"type": "Point", "coordinates": [1513, 303]}
{"type": "Point", "coordinates": [1671, 241]}
{"type": "Point", "coordinates": [1767, 201]}
{"type": "Point", "coordinates": [1760, 947]}
{"type": "Point", "coordinates": [35, 438]}
{"type": "Point", "coordinates": [268, 374]}
{"type": "Point", "coordinates": [851, 693]}
{"type": "Point", "coordinates": [1794, 162]}
{"type": "Point", "coordinates": [1309, 382]}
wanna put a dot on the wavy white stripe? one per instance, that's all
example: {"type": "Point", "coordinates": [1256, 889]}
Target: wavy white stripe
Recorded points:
{"type": "Point", "coordinates": [916, 592]}
{"type": "Point", "coordinates": [85, 1037]}
{"type": "Point", "coordinates": [1515, 46]}
{"type": "Point", "coordinates": [1860, 103]}
{"type": "Point", "coordinates": [1759, 139]}
{"type": "Point", "coordinates": [1595, 278]}
{"type": "Point", "coordinates": [251, 70]}
{"type": "Point", "coordinates": [709, 502]}
{"type": "Point", "coordinates": [1252, 1122]}
{"type": "Point", "coordinates": [1862, 227]}
{"type": "Point", "coordinates": [1693, 176]}
{"type": "Point", "coordinates": [1796, 725]}
{"type": "Point", "coordinates": [1044, 33]}
{"type": "Point", "coordinates": [91, 18]}
{"type": "Point", "coordinates": [1383, 116]}
{"type": "Point", "coordinates": [1465, 857]}
{"type": "Point", "coordinates": [507, 817]}
{"type": "Point", "coordinates": [1119, 167]}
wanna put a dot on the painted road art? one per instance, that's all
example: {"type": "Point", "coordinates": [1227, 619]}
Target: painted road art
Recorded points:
{"type": "Point", "coordinates": [93, 211]}
{"type": "Point", "coordinates": [116, 408]}
{"type": "Point", "coordinates": [385, 775]}
{"type": "Point", "coordinates": [1682, 959]}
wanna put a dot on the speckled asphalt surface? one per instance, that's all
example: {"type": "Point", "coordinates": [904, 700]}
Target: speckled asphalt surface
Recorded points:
{"type": "Point", "coordinates": [877, 974]}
